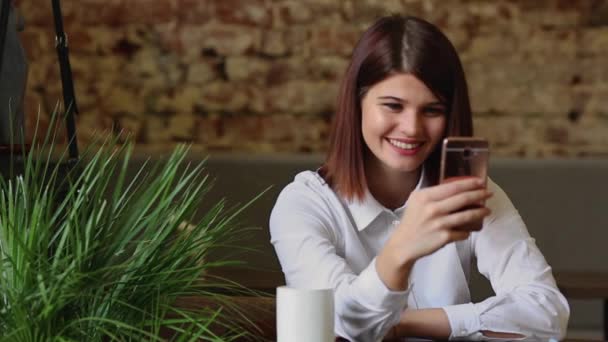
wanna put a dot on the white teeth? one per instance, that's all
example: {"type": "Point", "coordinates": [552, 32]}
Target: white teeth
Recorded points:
{"type": "Point", "coordinates": [403, 145]}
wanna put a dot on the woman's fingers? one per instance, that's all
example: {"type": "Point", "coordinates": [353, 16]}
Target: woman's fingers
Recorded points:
{"type": "Point", "coordinates": [431, 219]}
{"type": "Point", "coordinates": [462, 200]}
{"type": "Point", "coordinates": [445, 190]}
{"type": "Point", "coordinates": [457, 235]}
{"type": "Point", "coordinates": [463, 218]}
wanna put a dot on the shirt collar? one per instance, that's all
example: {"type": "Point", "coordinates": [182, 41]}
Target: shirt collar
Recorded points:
{"type": "Point", "coordinates": [365, 211]}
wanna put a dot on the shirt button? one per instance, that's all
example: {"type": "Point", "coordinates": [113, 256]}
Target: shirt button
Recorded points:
{"type": "Point", "coordinates": [395, 222]}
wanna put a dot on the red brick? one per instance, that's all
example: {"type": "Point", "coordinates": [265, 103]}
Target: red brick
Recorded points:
{"type": "Point", "coordinates": [223, 96]}
{"type": "Point", "coordinates": [181, 127]}
{"type": "Point", "coordinates": [196, 12]}
{"type": "Point", "coordinates": [297, 41]}
{"type": "Point", "coordinates": [289, 69]}
{"type": "Point", "coordinates": [207, 129]}
{"type": "Point", "coordinates": [37, 42]}
{"type": "Point", "coordinates": [303, 97]}
{"type": "Point", "coordinates": [335, 40]}
{"type": "Point", "coordinates": [40, 13]}
{"type": "Point", "coordinates": [251, 70]}
{"type": "Point", "coordinates": [150, 11]}
{"type": "Point", "coordinates": [100, 12]}
{"type": "Point", "coordinates": [155, 130]}
{"type": "Point", "coordinates": [273, 43]}
{"type": "Point", "coordinates": [288, 13]}
{"type": "Point", "coordinates": [243, 12]}
{"type": "Point", "coordinates": [222, 39]}
{"type": "Point", "coordinates": [119, 12]}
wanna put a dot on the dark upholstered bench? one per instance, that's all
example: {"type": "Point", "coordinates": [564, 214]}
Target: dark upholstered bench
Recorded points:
{"type": "Point", "coordinates": [563, 202]}
{"type": "Point", "coordinates": [585, 285]}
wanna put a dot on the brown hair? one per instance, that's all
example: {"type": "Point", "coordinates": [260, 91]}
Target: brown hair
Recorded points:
{"type": "Point", "coordinates": [393, 44]}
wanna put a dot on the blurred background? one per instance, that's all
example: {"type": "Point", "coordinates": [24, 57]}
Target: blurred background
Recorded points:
{"type": "Point", "coordinates": [240, 78]}
{"type": "Point", "coordinates": [262, 75]}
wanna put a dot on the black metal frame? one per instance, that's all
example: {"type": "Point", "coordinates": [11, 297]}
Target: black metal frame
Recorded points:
{"type": "Point", "coordinates": [4, 13]}
{"type": "Point", "coordinates": [605, 319]}
{"type": "Point", "coordinates": [67, 82]}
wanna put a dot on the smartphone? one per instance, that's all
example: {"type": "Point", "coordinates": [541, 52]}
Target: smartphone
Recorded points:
{"type": "Point", "coordinates": [463, 157]}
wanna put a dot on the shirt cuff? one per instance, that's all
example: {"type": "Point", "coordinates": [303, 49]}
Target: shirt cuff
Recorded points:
{"type": "Point", "coordinates": [464, 320]}
{"type": "Point", "coordinates": [374, 293]}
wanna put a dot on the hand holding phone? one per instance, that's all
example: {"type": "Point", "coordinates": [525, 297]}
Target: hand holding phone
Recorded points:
{"type": "Point", "coordinates": [438, 215]}
{"type": "Point", "coordinates": [464, 157]}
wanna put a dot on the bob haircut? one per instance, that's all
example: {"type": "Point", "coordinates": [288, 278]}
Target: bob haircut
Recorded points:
{"type": "Point", "coordinates": [393, 44]}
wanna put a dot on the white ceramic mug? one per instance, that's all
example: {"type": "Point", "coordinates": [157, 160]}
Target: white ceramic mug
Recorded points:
{"type": "Point", "coordinates": [305, 315]}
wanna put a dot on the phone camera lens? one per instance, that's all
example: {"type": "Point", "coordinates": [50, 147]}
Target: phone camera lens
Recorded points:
{"type": "Point", "coordinates": [467, 153]}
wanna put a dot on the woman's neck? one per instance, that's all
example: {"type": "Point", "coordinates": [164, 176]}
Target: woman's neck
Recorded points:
{"type": "Point", "coordinates": [391, 188]}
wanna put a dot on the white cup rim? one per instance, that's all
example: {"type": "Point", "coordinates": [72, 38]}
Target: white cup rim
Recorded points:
{"type": "Point", "coordinates": [304, 289]}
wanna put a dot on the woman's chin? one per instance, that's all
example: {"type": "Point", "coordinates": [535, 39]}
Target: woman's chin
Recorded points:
{"type": "Point", "coordinates": [402, 166]}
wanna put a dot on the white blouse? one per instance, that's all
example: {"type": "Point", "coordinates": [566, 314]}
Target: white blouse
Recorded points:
{"type": "Point", "coordinates": [324, 241]}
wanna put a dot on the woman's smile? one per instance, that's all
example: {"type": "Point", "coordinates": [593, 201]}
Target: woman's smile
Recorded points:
{"type": "Point", "coordinates": [405, 148]}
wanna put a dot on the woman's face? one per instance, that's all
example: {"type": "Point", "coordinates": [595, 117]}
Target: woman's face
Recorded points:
{"type": "Point", "coordinates": [402, 122]}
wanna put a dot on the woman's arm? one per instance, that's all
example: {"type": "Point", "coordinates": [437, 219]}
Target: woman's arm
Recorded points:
{"type": "Point", "coordinates": [527, 300]}
{"type": "Point", "coordinates": [432, 324]}
{"type": "Point", "coordinates": [425, 323]}
{"type": "Point", "coordinates": [303, 235]}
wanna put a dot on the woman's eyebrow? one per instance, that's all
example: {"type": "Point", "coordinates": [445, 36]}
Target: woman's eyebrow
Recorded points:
{"type": "Point", "coordinates": [391, 98]}
{"type": "Point", "coordinates": [398, 99]}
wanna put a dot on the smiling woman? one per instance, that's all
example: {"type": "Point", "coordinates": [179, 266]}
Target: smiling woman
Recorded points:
{"type": "Point", "coordinates": [373, 224]}
{"type": "Point", "coordinates": [402, 123]}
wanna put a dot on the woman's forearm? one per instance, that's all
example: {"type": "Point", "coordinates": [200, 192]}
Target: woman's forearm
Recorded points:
{"type": "Point", "coordinates": [427, 323]}
{"type": "Point", "coordinates": [393, 270]}
{"type": "Point", "coordinates": [433, 324]}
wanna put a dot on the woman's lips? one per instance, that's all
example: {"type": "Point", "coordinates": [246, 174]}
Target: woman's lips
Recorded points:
{"type": "Point", "coordinates": [405, 148]}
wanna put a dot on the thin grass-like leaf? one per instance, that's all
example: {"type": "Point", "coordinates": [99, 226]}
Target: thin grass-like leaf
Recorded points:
{"type": "Point", "coordinates": [91, 252]}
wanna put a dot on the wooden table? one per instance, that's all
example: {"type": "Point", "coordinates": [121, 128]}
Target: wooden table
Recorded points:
{"type": "Point", "coordinates": [573, 284]}
{"type": "Point", "coordinates": [585, 285]}
{"type": "Point", "coordinates": [254, 315]}
{"type": "Point", "coordinates": [259, 280]}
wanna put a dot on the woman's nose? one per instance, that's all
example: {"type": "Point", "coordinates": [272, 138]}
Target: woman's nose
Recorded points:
{"type": "Point", "coordinates": [410, 122]}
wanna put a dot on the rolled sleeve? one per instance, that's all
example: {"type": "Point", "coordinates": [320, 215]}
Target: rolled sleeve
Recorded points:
{"type": "Point", "coordinates": [366, 308]}
{"type": "Point", "coordinates": [375, 294]}
{"type": "Point", "coordinates": [464, 320]}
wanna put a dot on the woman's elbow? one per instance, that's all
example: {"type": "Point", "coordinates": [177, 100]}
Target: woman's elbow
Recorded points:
{"type": "Point", "coordinates": [557, 317]}
{"type": "Point", "coordinates": [358, 324]}
{"type": "Point", "coordinates": [563, 316]}
{"type": "Point", "coordinates": [547, 315]}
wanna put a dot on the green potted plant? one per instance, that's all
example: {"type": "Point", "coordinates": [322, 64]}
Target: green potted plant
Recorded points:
{"type": "Point", "coordinates": [90, 253]}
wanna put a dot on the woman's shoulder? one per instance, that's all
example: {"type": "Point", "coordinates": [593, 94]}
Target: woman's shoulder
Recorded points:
{"type": "Point", "coordinates": [504, 218]}
{"type": "Point", "coordinates": [307, 199]}
{"type": "Point", "coordinates": [499, 200]}
{"type": "Point", "coordinates": [306, 183]}
{"type": "Point", "coordinates": [308, 190]}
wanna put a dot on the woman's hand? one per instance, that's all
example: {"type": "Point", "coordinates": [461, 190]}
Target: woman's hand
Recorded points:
{"type": "Point", "coordinates": [435, 216]}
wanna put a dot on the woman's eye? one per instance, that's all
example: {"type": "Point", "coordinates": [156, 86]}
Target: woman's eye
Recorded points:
{"type": "Point", "coordinates": [434, 111]}
{"type": "Point", "coordinates": [396, 107]}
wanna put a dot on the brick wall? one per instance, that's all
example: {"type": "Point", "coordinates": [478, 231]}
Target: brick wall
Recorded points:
{"type": "Point", "coordinates": [262, 75]}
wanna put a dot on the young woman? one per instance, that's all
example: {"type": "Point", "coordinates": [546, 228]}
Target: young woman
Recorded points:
{"type": "Point", "coordinates": [374, 224]}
